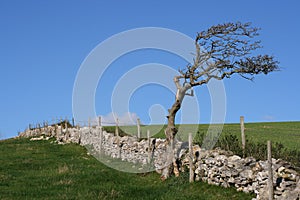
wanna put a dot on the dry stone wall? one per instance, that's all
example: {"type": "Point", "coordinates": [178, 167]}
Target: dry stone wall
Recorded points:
{"type": "Point", "coordinates": [216, 166]}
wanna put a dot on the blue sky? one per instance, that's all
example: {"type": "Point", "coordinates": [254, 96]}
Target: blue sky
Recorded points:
{"type": "Point", "coordinates": [43, 44]}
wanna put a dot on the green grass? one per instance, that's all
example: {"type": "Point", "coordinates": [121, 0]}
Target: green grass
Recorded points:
{"type": "Point", "coordinates": [287, 133]}
{"type": "Point", "coordinates": [45, 170]}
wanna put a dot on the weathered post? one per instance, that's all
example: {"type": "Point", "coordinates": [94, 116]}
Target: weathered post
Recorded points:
{"type": "Point", "coordinates": [99, 121]}
{"type": "Point", "coordinates": [270, 171]}
{"type": "Point", "coordinates": [61, 123]}
{"type": "Point", "coordinates": [243, 134]}
{"type": "Point", "coordinates": [149, 146]}
{"type": "Point", "coordinates": [56, 131]}
{"type": "Point", "coordinates": [78, 134]}
{"type": "Point", "coordinates": [117, 127]}
{"type": "Point", "coordinates": [29, 131]}
{"type": "Point", "coordinates": [191, 158]}
{"type": "Point", "coordinates": [39, 128]}
{"type": "Point", "coordinates": [61, 128]}
{"type": "Point", "coordinates": [66, 134]}
{"type": "Point", "coordinates": [138, 128]}
{"type": "Point", "coordinates": [101, 138]}
{"type": "Point", "coordinates": [47, 128]}
{"type": "Point", "coordinates": [118, 138]}
{"type": "Point", "coordinates": [100, 134]}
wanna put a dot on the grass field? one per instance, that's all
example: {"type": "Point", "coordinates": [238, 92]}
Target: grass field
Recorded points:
{"type": "Point", "coordinates": [287, 133]}
{"type": "Point", "coordinates": [45, 170]}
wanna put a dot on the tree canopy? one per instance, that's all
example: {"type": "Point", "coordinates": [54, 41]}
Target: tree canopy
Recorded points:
{"type": "Point", "coordinates": [224, 50]}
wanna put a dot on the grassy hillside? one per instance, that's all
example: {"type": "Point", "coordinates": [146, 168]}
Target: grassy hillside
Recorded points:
{"type": "Point", "coordinates": [287, 133]}
{"type": "Point", "coordinates": [45, 170]}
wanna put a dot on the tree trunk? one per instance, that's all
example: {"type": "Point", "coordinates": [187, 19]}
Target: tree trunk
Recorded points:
{"type": "Point", "coordinates": [171, 131]}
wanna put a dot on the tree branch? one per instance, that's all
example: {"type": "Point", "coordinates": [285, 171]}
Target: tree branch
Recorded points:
{"type": "Point", "coordinates": [226, 49]}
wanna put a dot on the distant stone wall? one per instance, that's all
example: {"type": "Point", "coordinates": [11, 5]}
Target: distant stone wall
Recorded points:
{"type": "Point", "coordinates": [216, 167]}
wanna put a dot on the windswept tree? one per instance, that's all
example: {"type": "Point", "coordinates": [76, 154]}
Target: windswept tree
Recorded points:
{"type": "Point", "coordinates": [221, 51]}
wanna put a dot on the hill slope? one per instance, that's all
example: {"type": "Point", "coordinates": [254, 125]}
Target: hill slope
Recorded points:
{"type": "Point", "coordinates": [45, 170]}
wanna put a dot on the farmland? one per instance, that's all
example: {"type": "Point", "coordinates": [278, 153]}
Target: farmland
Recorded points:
{"type": "Point", "coordinates": [287, 133]}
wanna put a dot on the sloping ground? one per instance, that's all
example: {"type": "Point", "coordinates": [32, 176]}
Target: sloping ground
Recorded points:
{"type": "Point", "coordinates": [287, 133]}
{"type": "Point", "coordinates": [45, 170]}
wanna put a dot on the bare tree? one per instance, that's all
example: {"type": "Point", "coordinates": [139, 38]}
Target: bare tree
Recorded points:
{"type": "Point", "coordinates": [221, 51]}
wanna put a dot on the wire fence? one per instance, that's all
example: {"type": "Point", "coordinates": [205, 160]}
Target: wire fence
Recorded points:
{"type": "Point", "coordinates": [92, 123]}
{"type": "Point", "coordinates": [286, 133]}
{"type": "Point", "coordinates": [82, 123]}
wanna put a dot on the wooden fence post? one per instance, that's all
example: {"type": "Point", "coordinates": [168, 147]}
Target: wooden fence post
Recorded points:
{"type": "Point", "coordinates": [101, 136]}
{"type": "Point", "coordinates": [191, 158]}
{"type": "Point", "coordinates": [99, 121]}
{"type": "Point", "coordinates": [270, 171]}
{"type": "Point", "coordinates": [40, 129]}
{"type": "Point", "coordinates": [149, 146]}
{"type": "Point", "coordinates": [118, 138]}
{"type": "Point", "coordinates": [66, 134]}
{"type": "Point", "coordinates": [56, 131]}
{"type": "Point", "coordinates": [79, 135]}
{"type": "Point", "coordinates": [46, 128]}
{"type": "Point", "coordinates": [61, 127]}
{"type": "Point", "coordinates": [138, 128]}
{"type": "Point", "coordinates": [73, 122]}
{"type": "Point", "coordinates": [117, 127]}
{"type": "Point", "coordinates": [243, 134]}
{"type": "Point", "coordinates": [29, 130]}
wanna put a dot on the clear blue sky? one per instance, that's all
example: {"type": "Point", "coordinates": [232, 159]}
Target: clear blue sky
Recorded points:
{"type": "Point", "coordinates": [43, 43]}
